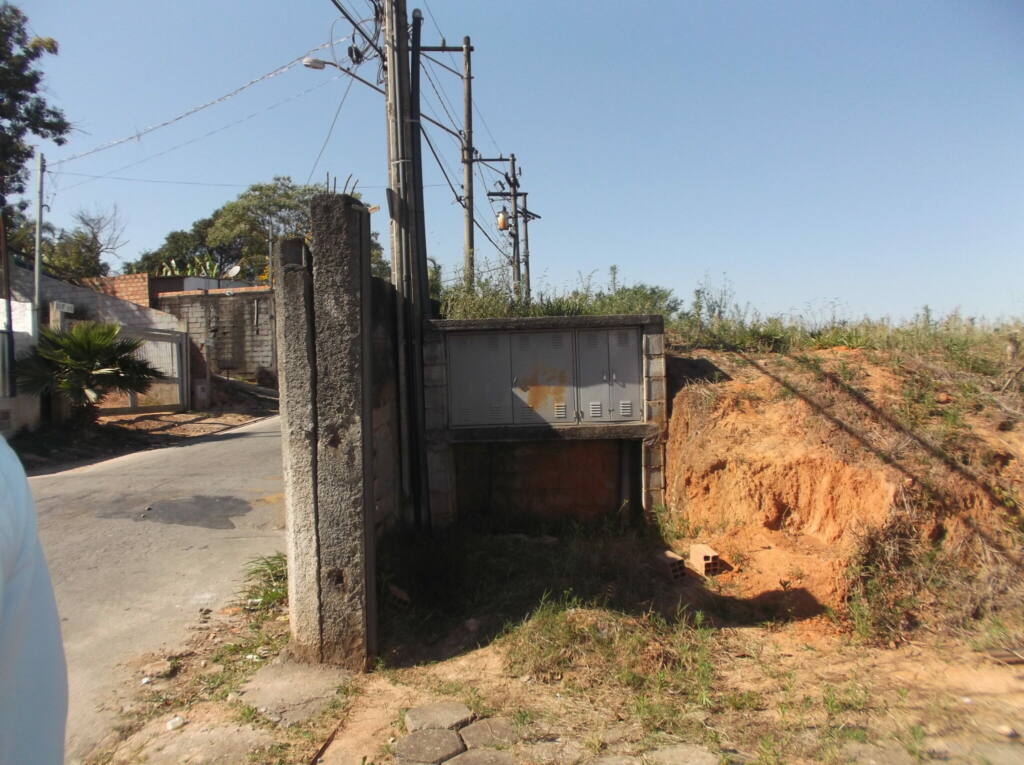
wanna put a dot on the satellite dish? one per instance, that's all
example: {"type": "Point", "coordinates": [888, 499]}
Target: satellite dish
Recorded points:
{"type": "Point", "coordinates": [233, 271]}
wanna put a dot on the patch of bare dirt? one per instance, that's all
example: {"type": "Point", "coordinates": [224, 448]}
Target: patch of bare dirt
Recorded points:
{"type": "Point", "coordinates": [785, 463]}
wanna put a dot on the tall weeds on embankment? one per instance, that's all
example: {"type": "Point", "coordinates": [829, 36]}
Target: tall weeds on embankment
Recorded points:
{"type": "Point", "coordinates": [715, 320]}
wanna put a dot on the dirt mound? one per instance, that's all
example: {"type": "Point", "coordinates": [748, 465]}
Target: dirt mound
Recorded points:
{"type": "Point", "coordinates": [786, 465]}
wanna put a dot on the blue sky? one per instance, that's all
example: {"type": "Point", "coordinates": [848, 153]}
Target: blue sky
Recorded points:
{"type": "Point", "coordinates": [864, 156]}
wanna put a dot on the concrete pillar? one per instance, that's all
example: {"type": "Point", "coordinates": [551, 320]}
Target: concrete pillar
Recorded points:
{"type": "Point", "coordinates": [323, 332]}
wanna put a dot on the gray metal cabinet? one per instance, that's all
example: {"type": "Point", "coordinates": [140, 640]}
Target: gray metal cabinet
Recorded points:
{"type": "Point", "coordinates": [542, 380]}
{"type": "Point", "coordinates": [550, 377]}
{"type": "Point", "coordinates": [624, 378]}
{"type": "Point", "coordinates": [592, 366]}
{"type": "Point", "coordinates": [608, 362]}
{"type": "Point", "coordinates": [479, 374]}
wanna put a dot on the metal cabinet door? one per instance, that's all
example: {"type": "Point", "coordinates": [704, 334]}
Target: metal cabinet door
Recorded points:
{"type": "Point", "coordinates": [542, 379]}
{"type": "Point", "coordinates": [592, 368]}
{"type": "Point", "coordinates": [478, 379]}
{"type": "Point", "coordinates": [626, 401]}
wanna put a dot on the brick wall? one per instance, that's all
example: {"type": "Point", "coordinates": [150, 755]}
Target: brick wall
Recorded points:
{"type": "Point", "coordinates": [503, 485]}
{"type": "Point", "coordinates": [131, 287]}
{"type": "Point", "coordinates": [232, 328]}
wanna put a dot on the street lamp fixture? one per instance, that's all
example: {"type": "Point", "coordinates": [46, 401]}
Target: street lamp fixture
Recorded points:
{"type": "Point", "coordinates": [314, 63]}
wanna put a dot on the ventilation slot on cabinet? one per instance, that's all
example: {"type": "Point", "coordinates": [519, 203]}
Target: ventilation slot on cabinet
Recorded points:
{"type": "Point", "coordinates": [496, 412]}
{"type": "Point", "coordinates": [623, 338]}
{"type": "Point", "coordinates": [595, 410]}
{"type": "Point", "coordinates": [592, 339]}
{"type": "Point", "coordinates": [560, 411]}
{"type": "Point", "coordinates": [556, 341]}
{"type": "Point", "coordinates": [625, 408]}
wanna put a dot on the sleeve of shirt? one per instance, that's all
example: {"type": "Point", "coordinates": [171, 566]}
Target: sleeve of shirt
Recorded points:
{"type": "Point", "coordinates": [33, 675]}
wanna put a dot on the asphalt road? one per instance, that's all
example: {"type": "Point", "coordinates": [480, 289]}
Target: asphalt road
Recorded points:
{"type": "Point", "coordinates": [129, 580]}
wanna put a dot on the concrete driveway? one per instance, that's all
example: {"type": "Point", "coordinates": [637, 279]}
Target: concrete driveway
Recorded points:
{"type": "Point", "coordinates": [129, 580]}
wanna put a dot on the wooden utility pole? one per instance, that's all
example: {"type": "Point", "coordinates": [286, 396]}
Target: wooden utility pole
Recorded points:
{"type": "Point", "coordinates": [468, 262]}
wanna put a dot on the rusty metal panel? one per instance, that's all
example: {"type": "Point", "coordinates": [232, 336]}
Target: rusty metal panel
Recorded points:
{"type": "Point", "coordinates": [478, 382]}
{"type": "Point", "coordinates": [542, 379]}
{"type": "Point", "coordinates": [624, 365]}
{"type": "Point", "coordinates": [592, 368]}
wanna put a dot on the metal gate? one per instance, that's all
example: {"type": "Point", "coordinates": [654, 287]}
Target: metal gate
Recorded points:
{"type": "Point", "coordinates": [167, 350]}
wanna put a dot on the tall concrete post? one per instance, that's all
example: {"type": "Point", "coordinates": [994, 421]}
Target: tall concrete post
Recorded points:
{"type": "Point", "coordinates": [324, 342]}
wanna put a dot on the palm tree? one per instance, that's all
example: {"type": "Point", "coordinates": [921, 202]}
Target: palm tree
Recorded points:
{"type": "Point", "coordinates": [85, 363]}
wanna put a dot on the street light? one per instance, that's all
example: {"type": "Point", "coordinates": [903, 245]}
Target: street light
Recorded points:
{"type": "Point", "coordinates": [318, 63]}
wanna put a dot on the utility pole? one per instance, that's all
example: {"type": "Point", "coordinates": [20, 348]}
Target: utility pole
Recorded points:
{"type": "Point", "coordinates": [527, 217]}
{"type": "Point", "coordinates": [393, 93]}
{"type": "Point", "coordinates": [468, 262]}
{"type": "Point", "coordinates": [37, 277]}
{"type": "Point", "coordinates": [517, 266]}
{"type": "Point", "coordinates": [420, 294]}
{"type": "Point", "coordinates": [520, 258]}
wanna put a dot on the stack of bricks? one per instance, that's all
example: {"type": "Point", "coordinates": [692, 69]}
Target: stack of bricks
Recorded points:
{"type": "Point", "coordinates": [131, 287]}
{"type": "Point", "coordinates": [655, 410]}
{"type": "Point", "coordinates": [439, 457]}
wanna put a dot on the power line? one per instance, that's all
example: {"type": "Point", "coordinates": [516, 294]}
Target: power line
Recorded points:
{"type": "Point", "coordinates": [372, 42]}
{"type": "Point", "coordinates": [141, 180]}
{"type": "Point", "coordinates": [441, 165]}
{"type": "Point", "coordinates": [455, 193]}
{"type": "Point", "coordinates": [188, 113]}
{"type": "Point", "coordinates": [441, 99]}
{"type": "Point", "coordinates": [211, 132]}
{"type": "Point", "coordinates": [330, 130]}
{"type": "Point", "coordinates": [487, 128]}
{"type": "Point", "coordinates": [187, 183]}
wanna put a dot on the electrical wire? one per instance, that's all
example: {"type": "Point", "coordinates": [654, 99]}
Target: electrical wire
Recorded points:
{"type": "Point", "coordinates": [440, 164]}
{"type": "Point", "coordinates": [140, 180]}
{"type": "Point", "coordinates": [195, 109]}
{"type": "Point", "coordinates": [487, 128]}
{"type": "Point", "coordinates": [222, 128]}
{"type": "Point", "coordinates": [187, 183]}
{"type": "Point", "coordinates": [330, 130]}
{"type": "Point", "coordinates": [442, 98]}
{"type": "Point", "coordinates": [459, 199]}
{"type": "Point", "coordinates": [350, 17]}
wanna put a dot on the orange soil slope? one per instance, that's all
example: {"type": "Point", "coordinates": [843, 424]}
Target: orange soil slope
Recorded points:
{"type": "Point", "coordinates": [783, 471]}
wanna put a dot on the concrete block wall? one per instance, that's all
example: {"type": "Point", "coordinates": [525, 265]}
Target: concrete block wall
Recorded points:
{"type": "Point", "coordinates": [440, 462]}
{"type": "Point", "coordinates": [655, 409]}
{"type": "Point", "coordinates": [233, 327]}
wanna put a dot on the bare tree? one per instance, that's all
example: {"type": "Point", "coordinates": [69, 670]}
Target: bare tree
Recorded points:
{"type": "Point", "coordinates": [103, 230]}
{"type": "Point", "coordinates": [78, 253]}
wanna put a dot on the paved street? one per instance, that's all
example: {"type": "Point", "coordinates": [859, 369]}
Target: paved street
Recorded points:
{"type": "Point", "coordinates": [130, 580]}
